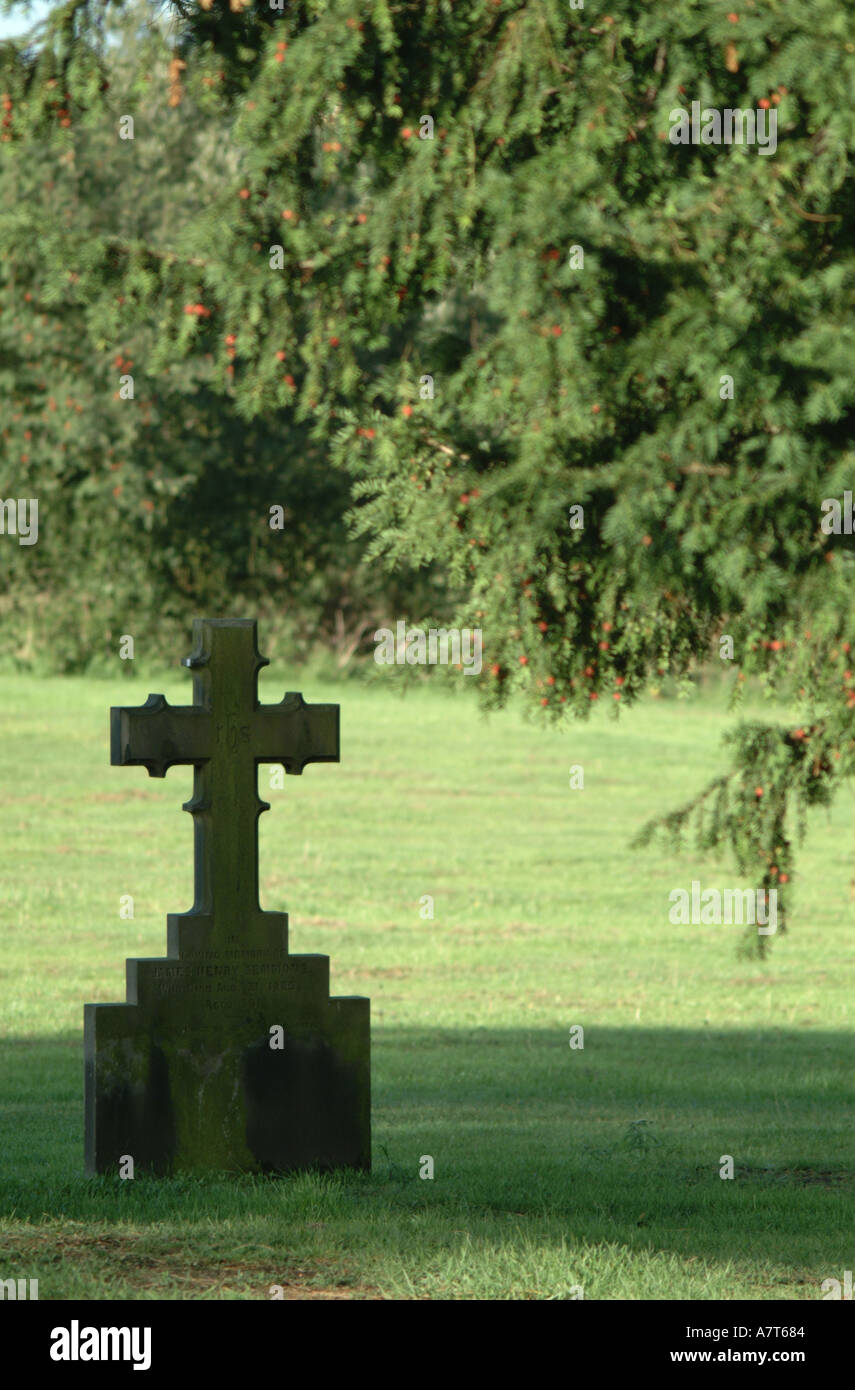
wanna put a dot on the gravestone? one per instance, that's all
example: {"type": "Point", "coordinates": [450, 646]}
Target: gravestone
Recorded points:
{"type": "Point", "coordinates": [229, 1053]}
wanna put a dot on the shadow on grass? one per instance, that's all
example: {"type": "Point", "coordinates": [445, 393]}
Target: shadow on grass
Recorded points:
{"type": "Point", "coordinates": [622, 1141]}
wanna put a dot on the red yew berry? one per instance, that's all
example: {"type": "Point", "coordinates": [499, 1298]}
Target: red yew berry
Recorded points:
{"type": "Point", "coordinates": [280, 356]}
{"type": "Point", "coordinates": [523, 661]}
{"type": "Point", "coordinates": [595, 410]}
{"type": "Point", "coordinates": [758, 791]}
{"type": "Point", "coordinates": [406, 411]}
{"type": "Point", "coordinates": [495, 670]}
{"type": "Point", "coordinates": [763, 103]}
{"type": "Point", "coordinates": [288, 215]}
{"type": "Point", "coordinates": [593, 695]}
{"type": "Point", "coordinates": [784, 878]}
{"type": "Point", "coordinates": [545, 700]}
{"type": "Point", "coordinates": [619, 680]}
{"type": "Point", "coordinates": [244, 193]}
{"type": "Point", "coordinates": [406, 133]}
{"type": "Point", "coordinates": [557, 331]}
{"type": "Point", "coordinates": [550, 680]}
{"type": "Point", "coordinates": [544, 627]}
{"type": "Point", "coordinates": [734, 18]}
{"type": "Point", "coordinates": [333, 342]}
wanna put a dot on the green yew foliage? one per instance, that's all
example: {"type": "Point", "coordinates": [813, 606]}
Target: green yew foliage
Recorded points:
{"type": "Point", "coordinates": [153, 507]}
{"type": "Point", "coordinates": [557, 384]}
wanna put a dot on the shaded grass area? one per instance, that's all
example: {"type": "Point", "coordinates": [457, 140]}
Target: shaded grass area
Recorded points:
{"type": "Point", "coordinates": [554, 1167]}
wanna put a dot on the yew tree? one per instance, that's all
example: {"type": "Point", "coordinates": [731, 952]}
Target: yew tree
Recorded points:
{"type": "Point", "coordinates": [154, 494]}
{"type": "Point", "coordinates": [604, 381]}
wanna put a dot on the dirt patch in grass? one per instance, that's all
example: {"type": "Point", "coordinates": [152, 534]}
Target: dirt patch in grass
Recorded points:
{"type": "Point", "coordinates": [381, 972]}
{"type": "Point", "coordinates": [804, 1177]}
{"type": "Point", "coordinates": [132, 794]}
{"type": "Point", "coordinates": [101, 1255]}
{"type": "Point", "coordinates": [754, 980]}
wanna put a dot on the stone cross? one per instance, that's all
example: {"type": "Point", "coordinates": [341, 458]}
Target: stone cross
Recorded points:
{"type": "Point", "coordinates": [229, 1053]}
{"type": "Point", "coordinates": [225, 734]}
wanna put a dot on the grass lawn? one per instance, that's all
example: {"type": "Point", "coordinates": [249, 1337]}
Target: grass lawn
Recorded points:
{"type": "Point", "coordinates": [554, 1167]}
